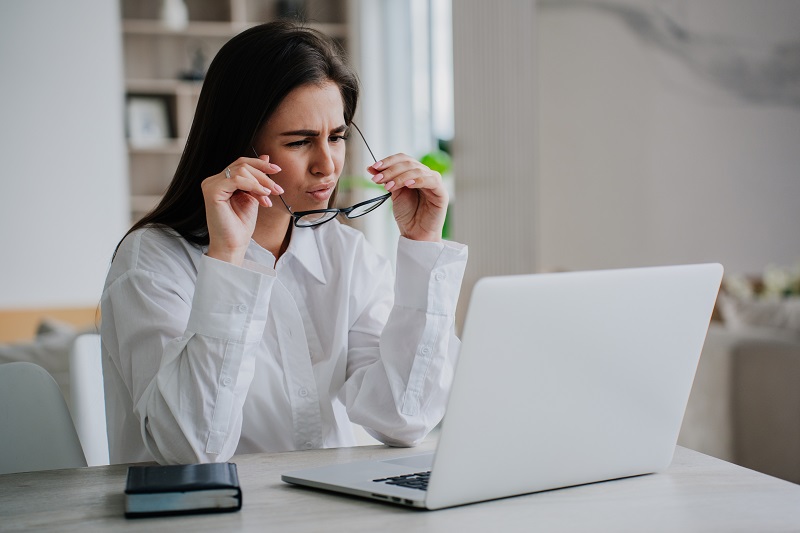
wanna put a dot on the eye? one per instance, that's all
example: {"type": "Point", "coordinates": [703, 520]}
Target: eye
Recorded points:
{"type": "Point", "coordinates": [337, 138]}
{"type": "Point", "coordinates": [298, 143]}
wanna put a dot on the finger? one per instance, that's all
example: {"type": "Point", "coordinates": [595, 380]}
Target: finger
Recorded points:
{"type": "Point", "coordinates": [265, 191]}
{"type": "Point", "coordinates": [432, 180]}
{"type": "Point", "coordinates": [417, 178]}
{"type": "Point", "coordinates": [259, 168]}
{"type": "Point", "coordinates": [391, 172]}
{"type": "Point", "coordinates": [241, 179]}
{"type": "Point", "coordinates": [435, 193]}
{"type": "Point", "coordinates": [389, 161]}
{"type": "Point", "coordinates": [265, 180]}
{"type": "Point", "coordinates": [262, 200]}
{"type": "Point", "coordinates": [262, 163]}
{"type": "Point", "coordinates": [271, 168]}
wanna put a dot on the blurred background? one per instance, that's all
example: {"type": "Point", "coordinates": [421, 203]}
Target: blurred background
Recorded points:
{"type": "Point", "coordinates": [573, 134]}
{"type": "Point", "coordinates": [583, 133]}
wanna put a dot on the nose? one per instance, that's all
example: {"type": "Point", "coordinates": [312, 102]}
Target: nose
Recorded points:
{"type": "Point", "coordinates": [322, 163]}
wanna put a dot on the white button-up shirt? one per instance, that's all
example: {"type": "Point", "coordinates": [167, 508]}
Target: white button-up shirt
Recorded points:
{"type": "Point", "coordinates": [203, 359]}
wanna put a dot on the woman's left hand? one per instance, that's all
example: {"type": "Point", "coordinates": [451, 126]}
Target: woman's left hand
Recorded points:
{"type": "Point", "coordinates": [419, 197]}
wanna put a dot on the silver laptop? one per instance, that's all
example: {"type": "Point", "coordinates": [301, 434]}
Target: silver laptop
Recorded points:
{"type": "Point", "coordinates": [563, 379]}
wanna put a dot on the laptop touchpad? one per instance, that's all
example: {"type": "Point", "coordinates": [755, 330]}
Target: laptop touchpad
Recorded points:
{"type": "Point", "coordinates": [423, 461]}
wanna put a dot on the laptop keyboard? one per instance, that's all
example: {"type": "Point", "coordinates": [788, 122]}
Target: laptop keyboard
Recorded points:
{"type": "Point", "coordinates": [412, 481]}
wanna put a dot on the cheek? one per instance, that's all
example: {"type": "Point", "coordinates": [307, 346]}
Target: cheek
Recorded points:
{"type": "Point", "coordinates": [279, 156]}
{"type": "Point", "coordinates": [288, 161]}
{"type": "Point", "coordinates": [339, 157]}
{"type": "Point", "coordinates": [290, 170]}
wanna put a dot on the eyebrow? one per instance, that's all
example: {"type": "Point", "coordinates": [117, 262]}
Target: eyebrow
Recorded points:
{"type": "Point", "coordinates": [311, 133]}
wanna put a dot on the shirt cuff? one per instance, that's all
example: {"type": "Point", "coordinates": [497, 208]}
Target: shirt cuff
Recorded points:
{"type": "Point", "coordinates": [231, 302]}
{"type": "Point", "coordinates": [429, 275]}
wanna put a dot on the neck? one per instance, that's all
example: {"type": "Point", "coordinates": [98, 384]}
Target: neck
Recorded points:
{"type": "Point", "coordinates": [273, 232]}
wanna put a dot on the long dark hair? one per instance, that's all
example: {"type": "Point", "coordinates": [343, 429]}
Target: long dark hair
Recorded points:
{"type": "Point", "coordinates": [246, 81]}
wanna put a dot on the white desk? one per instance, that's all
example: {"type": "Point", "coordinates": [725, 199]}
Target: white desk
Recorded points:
{"type": "Point", "coordinates": [698, 493]}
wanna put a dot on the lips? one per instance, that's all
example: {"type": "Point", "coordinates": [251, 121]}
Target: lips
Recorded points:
{"type": "Point", "coordinates": [321, 192]}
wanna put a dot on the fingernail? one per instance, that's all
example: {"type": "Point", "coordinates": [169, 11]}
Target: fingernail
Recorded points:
{"type": "Point", "coordinates": [276, 167]}
{"type": "Point", "coordinates": [379, 164]}
{"type": "Point", "coordinates": [267, 191]}
{"type": "Point", "coordinates": [409, 183]}
{"type": "Point", "coordinates": [268, 201]}
{"type": "Point", "coordinates": [389, 186]}
{"type": "Point", "coordinates": [377, 177]}
{"type": "Point", "coordinates": [279, 189]}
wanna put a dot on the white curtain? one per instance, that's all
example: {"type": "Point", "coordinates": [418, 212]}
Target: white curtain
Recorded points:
{"type": "Point", "coordinates": [390, 46]}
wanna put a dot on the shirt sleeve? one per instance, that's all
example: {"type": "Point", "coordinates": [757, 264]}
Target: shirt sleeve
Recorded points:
{"type": "Point", "coordinates": [400, 367]}
{"type": "Point", "coordinates": [188, 361]}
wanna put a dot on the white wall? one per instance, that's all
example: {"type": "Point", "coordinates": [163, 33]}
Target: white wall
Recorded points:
{"type": "Point", "coordinates": [495, 137]}
{"type": "Point", "coordinates": [669, 133]}
{"type": "Point", "coordinates": [63, 204]}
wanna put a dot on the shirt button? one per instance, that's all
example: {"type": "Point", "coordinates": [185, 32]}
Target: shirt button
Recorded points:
{"type": "Point", "coordinates": [303, 392]}
{"type": "Point", "coordinates": [242, 308]}
{"type": "Point", "coordinates": [440, 276]}
{"type": "Point", "coordinates": [426, 350]}
{"type": "Point", "coordinates": [227, 381]}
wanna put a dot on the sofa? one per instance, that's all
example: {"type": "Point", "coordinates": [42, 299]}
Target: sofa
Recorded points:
{"type": "Point", "coordinates": [745, 402]}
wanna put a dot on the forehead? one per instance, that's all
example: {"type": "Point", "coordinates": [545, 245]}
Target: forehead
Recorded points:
{"type": "Point", "coordinates": [310, 106]}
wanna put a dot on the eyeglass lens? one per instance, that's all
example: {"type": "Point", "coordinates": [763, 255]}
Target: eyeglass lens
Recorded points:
{"type": "Point", "coordinates": [365, 207]}
{"type": "Point", "coordinates": [315, 219]}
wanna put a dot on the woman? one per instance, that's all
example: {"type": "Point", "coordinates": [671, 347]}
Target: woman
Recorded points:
{"type": "Point", "coordinates": [232, 326]}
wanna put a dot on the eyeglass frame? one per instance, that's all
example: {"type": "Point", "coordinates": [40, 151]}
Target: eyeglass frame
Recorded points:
{"type": "Point", "coordinates": [298, 215]}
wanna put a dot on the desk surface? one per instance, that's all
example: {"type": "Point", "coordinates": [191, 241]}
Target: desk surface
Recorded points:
{"type": "Point", "coordinates": [697, 493]}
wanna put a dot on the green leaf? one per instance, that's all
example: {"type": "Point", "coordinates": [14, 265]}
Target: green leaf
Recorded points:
{"type": "Point", "coordinates": [438, 161]}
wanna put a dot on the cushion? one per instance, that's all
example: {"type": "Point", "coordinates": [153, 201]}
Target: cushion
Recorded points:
{"type": "Point", "coordinates": [50, 350]}
{"type": "Point", "coordinates": [739, 312]}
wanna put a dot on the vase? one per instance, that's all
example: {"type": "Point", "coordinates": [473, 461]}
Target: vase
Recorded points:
{"type": "Point", "coordinates": [174, 14]}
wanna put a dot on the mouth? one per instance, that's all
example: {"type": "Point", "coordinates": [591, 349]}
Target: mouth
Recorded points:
{"type": "Point", "coordinates": [322, 191]}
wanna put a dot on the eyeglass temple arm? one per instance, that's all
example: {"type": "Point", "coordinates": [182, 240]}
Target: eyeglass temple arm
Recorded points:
{"type": "Point", "coordinates": [287, 205]}
{"type": "Point", "coordinates": [364, 139]}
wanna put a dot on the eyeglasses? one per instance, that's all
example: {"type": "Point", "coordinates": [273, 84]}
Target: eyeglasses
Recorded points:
{"type": "Point", "coordinates": [315, 217]}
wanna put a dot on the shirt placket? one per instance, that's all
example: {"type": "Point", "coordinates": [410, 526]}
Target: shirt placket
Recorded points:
{"type": "Point", "coordinates": [303, 394]}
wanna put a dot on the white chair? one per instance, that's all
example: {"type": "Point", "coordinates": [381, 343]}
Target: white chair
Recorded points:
{"type": "Point", "coordinates": [36, 430]}
{"type": "Point", "coordinates": [88, 398]}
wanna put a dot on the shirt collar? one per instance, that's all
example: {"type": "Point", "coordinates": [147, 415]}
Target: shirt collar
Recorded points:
{"type": "Point", "coordinates": [305, 248]}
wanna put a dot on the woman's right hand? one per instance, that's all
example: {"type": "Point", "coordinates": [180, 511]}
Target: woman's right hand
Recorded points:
{"type": "Point", "coordinates": [232, 205]}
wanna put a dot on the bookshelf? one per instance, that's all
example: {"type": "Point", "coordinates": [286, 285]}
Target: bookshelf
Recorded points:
{"type": "Point", "coordinates": [163, 63]}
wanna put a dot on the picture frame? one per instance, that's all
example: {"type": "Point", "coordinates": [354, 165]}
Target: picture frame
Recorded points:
{"type": "Point", "coordinates": [148, 120]}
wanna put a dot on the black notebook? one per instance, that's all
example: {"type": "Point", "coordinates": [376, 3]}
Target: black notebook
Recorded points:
{"type": "Point", "coordinates": [181, 489]}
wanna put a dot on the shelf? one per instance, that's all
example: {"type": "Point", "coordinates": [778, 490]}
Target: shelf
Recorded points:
{"type": "Point", "coordinates": [172, 146]}
{"type": "Point", "coordinates": [193, 29]}
{"type": "Point", "coordinates": [215, 29]}
{"type": "Point", "coordinates": [163, 86]}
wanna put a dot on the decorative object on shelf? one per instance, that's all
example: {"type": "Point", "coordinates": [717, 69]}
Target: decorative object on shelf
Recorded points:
{"type": "Point", "coordinates": [174, 14]}
{"type": "Point", "coordinates": [197, 72]}
{"type": "Point", "coordinates": [771, 301]}
{"type": "Point", "coordinates": [148, 120]}
{"type": "Point", "coordinates": [775, 283]}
